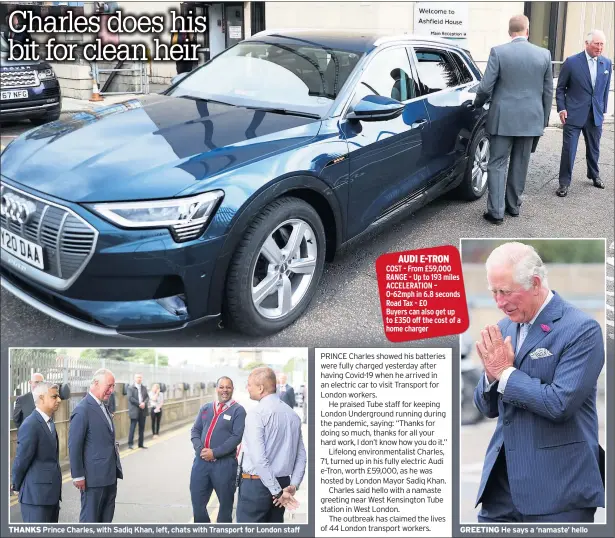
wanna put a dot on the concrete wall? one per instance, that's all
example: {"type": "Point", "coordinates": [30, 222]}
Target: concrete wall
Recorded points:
{"type": "Point", "coordinates": [581, 17]}
{"type": "Point", "coordinates": [487, 25]}
{"type": "Point", "coordinates": [75, 79]}
{"type": "Point", "coordinates": [181, 406]}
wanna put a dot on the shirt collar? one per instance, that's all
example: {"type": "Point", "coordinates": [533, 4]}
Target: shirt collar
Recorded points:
{"type": "Point", "coordinates": [546, 302]}
{"type": "Point", "coordinates": [45, 416]}
{"type": "Point", "coordinates": [519, 37]}
{"type": "Point", "coordinates": [269, 397]}
{"type": "Point", "coordinates": [589, 58]}
{"type": "Point", "coordinates": [95, 398]}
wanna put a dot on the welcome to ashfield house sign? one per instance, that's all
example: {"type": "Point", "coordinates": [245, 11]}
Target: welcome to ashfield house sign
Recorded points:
{"type": "Point", "coordinates": [441, 19]}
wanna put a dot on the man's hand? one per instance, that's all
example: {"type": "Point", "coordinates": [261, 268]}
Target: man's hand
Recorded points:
{"type": "Point", "coordinates": [207, 454]}
{"type": "Point", "coordinates": [142, 405]}
{"type": "Point", "coordinates": [496, 353]}
{"type": "Point", "coordinates": [286, 500]}
{"type": "Point", "coordinates": [80, 484]}
{"type": "Point", "coordinates": [291, 489]}
{"type": "Point", "coordinates": [563, 116]}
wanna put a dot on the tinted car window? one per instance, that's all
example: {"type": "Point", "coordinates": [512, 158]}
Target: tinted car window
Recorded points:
{"type": "Point", "coordinates": [462, 68]}
{"type": "Point", "coordinates": [436, 71]}
{"type": "Point", "coordinates": [388, 74]}
{"type": "Point", "coordinates": [254, 73]}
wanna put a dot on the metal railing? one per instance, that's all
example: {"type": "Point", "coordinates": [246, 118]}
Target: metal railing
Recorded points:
{"type": "Point", "coordinates": [138, 67]}
{"type": "Point", "coordinates": [78, 372]}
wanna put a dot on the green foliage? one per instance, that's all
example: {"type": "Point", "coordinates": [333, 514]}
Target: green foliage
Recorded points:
{"type": "Point", "coordinates": [550, 250]}
{"type": "Point", "coordinates": [252, 365]}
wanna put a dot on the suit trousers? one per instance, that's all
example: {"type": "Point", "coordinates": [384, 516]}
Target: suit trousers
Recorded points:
{"type": "Point", "coordinates": [208, 476]}
{"type": "Point", "coordinates": [36, 513]}
{"type": "Point", "coordinates": [133, 424]}
{"type": "Point", "coordinates": [98, 504]}
{"type": "Point", "coordinates": [498, 507]}
{"type": "Point", "coordinates": [591, 134]}
{"type": "Point", "coordinates": [505, 192]}
{"type": "Point", "coordinates": [255, 502]}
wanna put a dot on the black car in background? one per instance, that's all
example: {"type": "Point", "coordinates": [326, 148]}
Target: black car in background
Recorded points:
{"type": "Point", "coordinates": [28, 89]}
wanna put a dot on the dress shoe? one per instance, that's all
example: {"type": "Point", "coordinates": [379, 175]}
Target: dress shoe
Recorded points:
{"type": "Point", "coordinates": [512, 212]}
{"type": "Point", "coordinates": [493, 220]}
{"type": "Point", "coordinates": [598, 183]}
{"type": "Point", "coordinates": [131, 448]}
{"type": "Point", "coordinates": [143, 447]}
{"type": "Point", "coordinates": [562, 191]}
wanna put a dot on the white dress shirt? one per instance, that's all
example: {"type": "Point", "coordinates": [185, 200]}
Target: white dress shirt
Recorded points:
{"type": "Point", "coordinates": [592, 63]}
{"type": "Point", "coordinates": [506, 373]}
{"type": "Point", "coordinates": [46, 418]}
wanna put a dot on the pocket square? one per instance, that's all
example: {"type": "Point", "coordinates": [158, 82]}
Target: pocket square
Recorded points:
{"type": "Point", "coordinates": [606, 72]}
{"type": "Point", "coordinates": [540, 353]}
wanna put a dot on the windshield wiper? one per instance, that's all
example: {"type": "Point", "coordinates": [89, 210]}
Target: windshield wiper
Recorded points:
{"type": "Point", "coordinates": [194, 98]}
{"type": "Point", "coordinates": [284, 111]}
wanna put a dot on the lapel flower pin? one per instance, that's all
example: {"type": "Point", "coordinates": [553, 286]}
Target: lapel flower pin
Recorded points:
{"type": "Point", "coordinates": [545, 328]}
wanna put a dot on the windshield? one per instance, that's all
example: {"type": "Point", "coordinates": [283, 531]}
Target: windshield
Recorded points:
{"type": "Point", "coordinates": [300, 78]}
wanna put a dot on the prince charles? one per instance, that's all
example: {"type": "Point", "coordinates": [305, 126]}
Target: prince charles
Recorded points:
{"type": "Point", "coordinates": [542, 361]}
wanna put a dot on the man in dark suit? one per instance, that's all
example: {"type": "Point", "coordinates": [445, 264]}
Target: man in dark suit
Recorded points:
{"type": "Point", "coordinates": [93, 452]}
{"type": "Point", "coordinates": [137, 410]}
{"type": "Point", "coordinates": [582, 95]}
{"type": "Point", "coordinates": [36, 468]}
{"type": "Point", "coordinates": [24, 404]}
{"type": "Point", "coordinates": [285, 391]}
{"type": "Point", "coordinates": [542, 362]}
{"type": "Point", "coordinates": [519, 81]}
{"type": "Point", "coordinates": [215, 436]}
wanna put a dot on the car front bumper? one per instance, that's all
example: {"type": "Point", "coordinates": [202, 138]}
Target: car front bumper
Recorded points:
{"type": "Point", "coordinates": [42, 100]}
{"type": "Point", "coordinates": [133, 283]}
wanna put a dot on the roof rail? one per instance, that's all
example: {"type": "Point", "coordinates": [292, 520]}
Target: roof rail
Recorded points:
{"type": "Point", "coordinates": [402, 37]}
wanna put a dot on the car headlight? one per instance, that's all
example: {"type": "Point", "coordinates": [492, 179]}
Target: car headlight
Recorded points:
{"type": "Point", "coordinates": [185, 217]}
{"type": "Point", "coordinates": [46, 74]}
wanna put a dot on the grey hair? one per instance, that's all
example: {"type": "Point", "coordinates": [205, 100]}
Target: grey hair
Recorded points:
{"type": "Point", "coordinates": [43, 388]}
{"type": "Point", "coordinates": [525, 261]}
{"type": "Point", "coordinates": [34, 375]}
{"type": "Point", "coordinates": [100, 375]}
{"type": "Point", "coordinates": [590, 36]}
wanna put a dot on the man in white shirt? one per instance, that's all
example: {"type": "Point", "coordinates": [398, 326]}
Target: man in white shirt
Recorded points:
{"type": "Point", "coordinates": [36, 468]}
{"type": "Point", "coordinates": [542, 363]}
{"type": "Point", "coordinates": [138, 398]}
{"type": "Point", "coordinates": [24, 404]}
{"type": "Point", "coordinates": [582, 96]}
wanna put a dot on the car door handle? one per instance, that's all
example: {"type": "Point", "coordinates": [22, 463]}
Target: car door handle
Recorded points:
{"type": "Point", "coordinates": [418, 123]}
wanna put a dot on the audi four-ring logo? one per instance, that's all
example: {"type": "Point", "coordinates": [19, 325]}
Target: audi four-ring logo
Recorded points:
{"type": "Point", "coordinates": [14, 207]}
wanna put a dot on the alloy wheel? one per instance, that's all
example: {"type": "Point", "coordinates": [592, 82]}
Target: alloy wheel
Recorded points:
{"type": "Point", "coordinates": [284, 268]}
{"type": "Point", "coordinates": [479, 166]}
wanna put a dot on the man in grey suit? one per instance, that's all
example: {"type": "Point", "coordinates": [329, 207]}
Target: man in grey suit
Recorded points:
{"type": "Point", "coordinates": [24, 404]}
{"type": "Point", "coordinates": [519, 81]}
{"type": "Point", "coordinates": [93, 452]}
{"type": "Point", "coordinates": [138, 398]}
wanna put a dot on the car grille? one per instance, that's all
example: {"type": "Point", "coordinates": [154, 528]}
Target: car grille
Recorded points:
{"type": "Point", "coordinates": [18, 78]}
{"type": "Point", "coordinates": [67, 240]}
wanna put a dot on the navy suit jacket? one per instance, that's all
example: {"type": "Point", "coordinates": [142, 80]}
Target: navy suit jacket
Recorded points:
{"type": "Point", "coordinates": [547, 417]}
{"type": "Point", "coordinates": [91, 445]}
{"type": "Point", "coordinates": [36, 468]}
{"type": "Point", "coordinates": [574, 91]}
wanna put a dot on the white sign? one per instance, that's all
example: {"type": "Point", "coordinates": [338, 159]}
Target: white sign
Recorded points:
{"type": "Point", "coordinates": [441, 19]}
{"type": "Point", "coordinates": [234, 32]}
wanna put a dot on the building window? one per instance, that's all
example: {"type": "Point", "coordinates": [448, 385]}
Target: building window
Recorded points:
{"type": "Point", "coordinates": [547, 23]}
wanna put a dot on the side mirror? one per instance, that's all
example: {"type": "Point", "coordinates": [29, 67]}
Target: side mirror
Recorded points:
{"type": "Point", "coordinates": [375, 108]}
{"type": "Point", "coordinates": [179, 77]}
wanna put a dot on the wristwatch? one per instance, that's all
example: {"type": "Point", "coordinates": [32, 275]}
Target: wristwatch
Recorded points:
{"type": "Point", "coordinates": [278, 494]}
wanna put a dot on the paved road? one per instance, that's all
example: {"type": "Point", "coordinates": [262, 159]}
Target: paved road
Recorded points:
{"type": "Point", "coordinates": [155, 488]}
{"type": "Point", "coordinates": [334, 317]}
{"type": "Point", "coordinates": [473, 447]}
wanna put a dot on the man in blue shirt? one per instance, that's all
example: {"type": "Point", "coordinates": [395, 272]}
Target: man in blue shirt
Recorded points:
{"type": "Point", "coordinates": [274, 455]}
{"type": "Point", "coordinates": [216, 433]}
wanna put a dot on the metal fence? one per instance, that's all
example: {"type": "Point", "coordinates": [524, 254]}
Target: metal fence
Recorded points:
{"type": "Point", "coordinates": [78, 372]}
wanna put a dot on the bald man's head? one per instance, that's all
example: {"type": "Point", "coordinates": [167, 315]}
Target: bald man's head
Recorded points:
{"type": "Point", "coordinates": [261, 383]}
{"type": "Point", "coordinates": [519, 25]}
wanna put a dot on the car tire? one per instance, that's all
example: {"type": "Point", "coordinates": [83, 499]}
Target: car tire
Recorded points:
{"type": "Point", "coordinates": [474, 183]}
{"type": "Point", "coordinates": [269, 286]}
{"type": "Point", "coordinates": [45, 119]}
